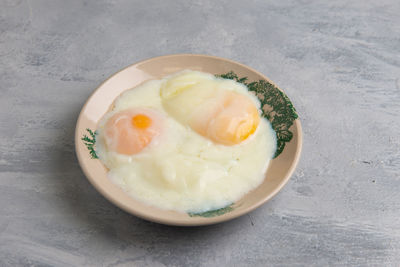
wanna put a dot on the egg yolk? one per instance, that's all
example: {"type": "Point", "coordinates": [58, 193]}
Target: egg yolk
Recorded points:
{"type": "Point", "coordinates": [230, 122]}
{"type": "Point", "coordinates": [141, 121]}
{"type": "Point", "coordinates": [129, 132]}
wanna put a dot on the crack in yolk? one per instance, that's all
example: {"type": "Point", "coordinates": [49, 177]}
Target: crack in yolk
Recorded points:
{"type": "Point", "coordinates": [141, 121]}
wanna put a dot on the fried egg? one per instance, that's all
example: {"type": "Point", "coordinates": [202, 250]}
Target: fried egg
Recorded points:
{"type": "Point", "coordinates": [189, 142]}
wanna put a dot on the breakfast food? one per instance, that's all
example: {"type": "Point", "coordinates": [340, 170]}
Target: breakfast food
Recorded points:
{"type": "Point", "coordinates": [224, 116]}
{"type": "Point", "coordinates": [128, 132]}
{"type": "Point", "coordinates": [189, 142]}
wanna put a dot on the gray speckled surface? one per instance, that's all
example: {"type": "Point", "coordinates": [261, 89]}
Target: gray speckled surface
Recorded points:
{"type": "Point", "coordinates": [339, 62]}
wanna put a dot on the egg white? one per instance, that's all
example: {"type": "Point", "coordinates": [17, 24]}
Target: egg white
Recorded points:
{"type": "Point", "coordinates": [180, 169]}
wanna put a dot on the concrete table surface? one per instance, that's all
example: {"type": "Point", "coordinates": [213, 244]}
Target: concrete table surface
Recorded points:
{"type": "Point", "coordinates": [339, 62]}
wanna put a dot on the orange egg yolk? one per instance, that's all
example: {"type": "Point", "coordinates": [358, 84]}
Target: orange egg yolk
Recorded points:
{"type": "Point", "coordinates": [141, 121]}
{"type": "Point", "coordinates": [229, 123]}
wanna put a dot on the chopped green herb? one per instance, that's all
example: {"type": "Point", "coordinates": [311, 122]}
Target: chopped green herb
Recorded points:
{"type": "Point", "coordinates": [212, 213]}
{"type": "Point", "coordinates": [90, 142]}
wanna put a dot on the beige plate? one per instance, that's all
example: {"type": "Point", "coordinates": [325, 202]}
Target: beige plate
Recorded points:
{"type": "Point", "coordinates": [279, 171]}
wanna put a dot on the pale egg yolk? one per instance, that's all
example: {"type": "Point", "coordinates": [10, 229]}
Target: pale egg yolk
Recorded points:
{"type": "Point", "coordinates": [129, 132]}
{"type": "Point", "coordinates": [230, 122]}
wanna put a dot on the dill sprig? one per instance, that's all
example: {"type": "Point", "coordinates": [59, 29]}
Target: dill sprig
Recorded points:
{"type": "Point", "coordinates": [90, 142]}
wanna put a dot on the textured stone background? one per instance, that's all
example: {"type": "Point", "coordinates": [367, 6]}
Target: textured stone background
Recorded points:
{"type": "Point", "coordinates": [339, 61]}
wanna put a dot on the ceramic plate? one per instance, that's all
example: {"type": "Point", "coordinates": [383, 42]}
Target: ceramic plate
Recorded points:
{"type": "Point", "coordinates": [276, 107]}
